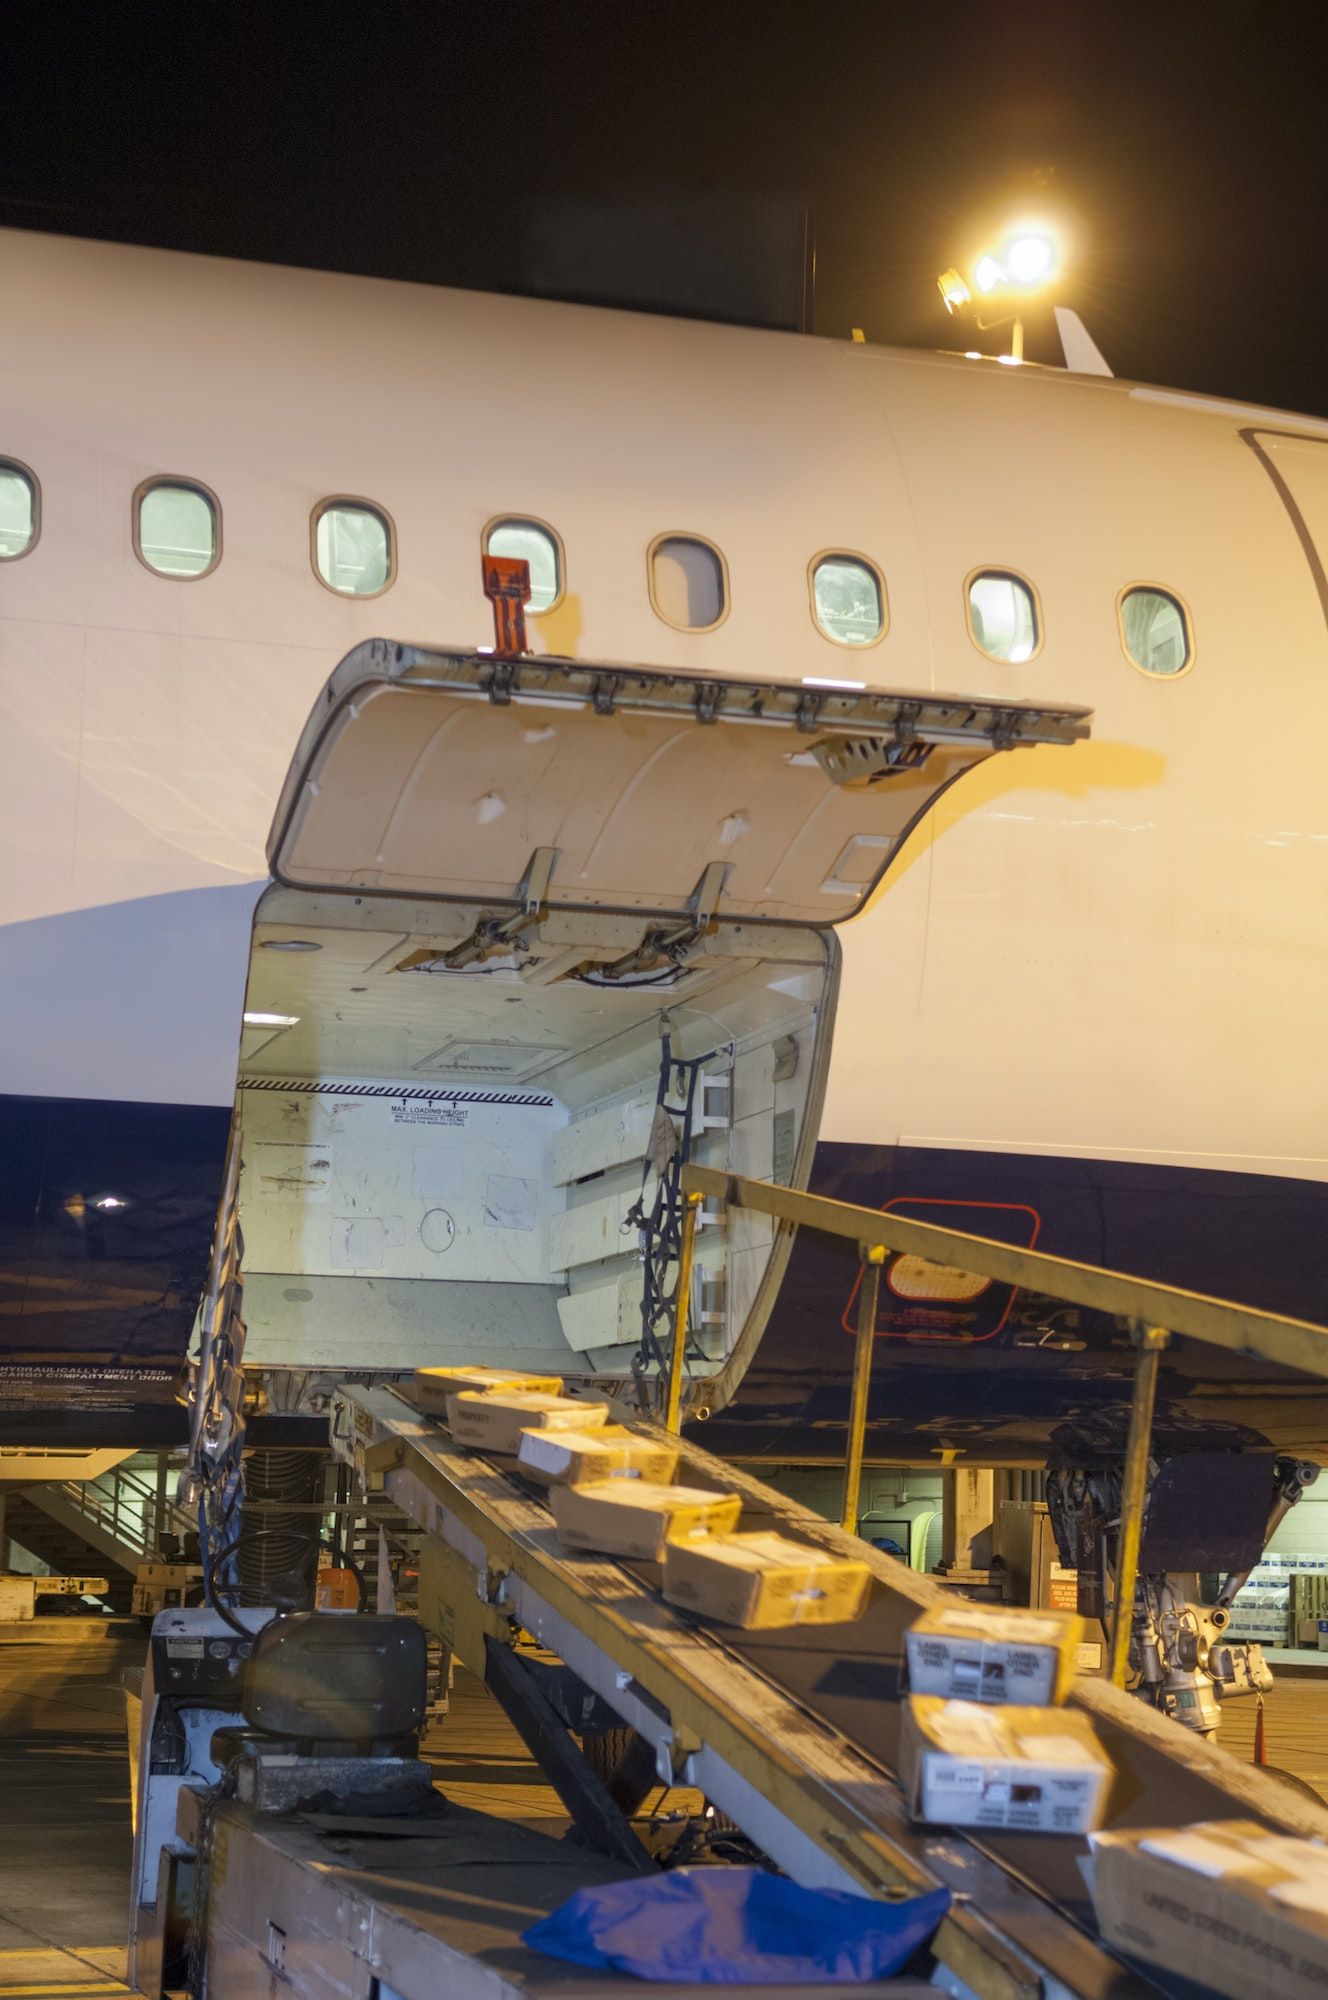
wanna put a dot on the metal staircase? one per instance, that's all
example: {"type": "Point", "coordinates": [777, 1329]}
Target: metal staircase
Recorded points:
{"type": "Point", "coordinates": [109, 1524]}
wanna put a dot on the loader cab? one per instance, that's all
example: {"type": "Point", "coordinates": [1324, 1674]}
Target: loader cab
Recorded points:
{"type": "Point", "coordinates": [534, 927]}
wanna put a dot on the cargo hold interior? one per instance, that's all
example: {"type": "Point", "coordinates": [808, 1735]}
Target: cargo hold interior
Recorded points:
{"type": "Point", "coordinates": [439, 1162]}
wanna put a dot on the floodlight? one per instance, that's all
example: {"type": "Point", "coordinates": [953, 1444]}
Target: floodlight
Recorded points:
{"type": "Point", "coordinates": [954, 291]}
{"type": "Point", "coordinates": [1025, 260]}
{"type": "Point", "coordinates": [1029, 259]}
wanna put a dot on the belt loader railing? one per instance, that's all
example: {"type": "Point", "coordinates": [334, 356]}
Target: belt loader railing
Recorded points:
{"type": "Point", "coordinates": [1154, 1311]}
{"type": "Point", "coordinates": [792, 1734]}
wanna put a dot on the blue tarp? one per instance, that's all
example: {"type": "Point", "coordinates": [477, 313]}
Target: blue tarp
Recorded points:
{"type": "Point", "coordinates": [737, 1927]}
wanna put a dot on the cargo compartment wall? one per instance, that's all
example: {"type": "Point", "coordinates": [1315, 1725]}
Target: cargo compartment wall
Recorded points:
{"type": "Point", "coordinates": [380, 1186]}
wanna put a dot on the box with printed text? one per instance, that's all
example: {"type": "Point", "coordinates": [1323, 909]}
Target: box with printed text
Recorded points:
{"type": "Point", "coordinates": [987, 1652]}
{"type": "Point", "coordinates": [962, 1763]}
{"type": "Point", "coordinates": [1227, 1903]}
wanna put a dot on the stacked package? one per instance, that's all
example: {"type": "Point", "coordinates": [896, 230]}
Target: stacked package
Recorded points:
{"type": "Point", "coordinates": [501, 1409]}
{"type": "Point", "coordinates": [760, 1581]}
{"type": "Point", "coordinates": [594, 1457]}
{"type": "Point", "coordinates": [612, 1492]}
{"type": "Point", "coordinates": [1226, 1903]}
{"type": "Point", "coordinates": [993, 1653]}
{"type": "Point", "coordinates": [499, 1419]}
{"type": "Point", "coordinates": [764, 1581]}
{"type": "Point", "coordinates": [433, 1386]}
{"type": "Point", "coordinates": [985, 1741]}
{"type": "Point", "coordinates": [1261, 1611]}
{"type": "Point", "coordinates": [639, 1518]}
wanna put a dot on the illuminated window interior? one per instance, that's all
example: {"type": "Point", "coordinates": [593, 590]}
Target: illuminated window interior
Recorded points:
{"type": "Point", "coordinates": [18, 512]}
{"type": "Point", "coordinates": [527, 541]}
{"type": "Point", "coordinates": [1156, 636]}
{"type": "Point", "coordinates": [846, 595]}
{"type": "Point", "coordinates": [353, 549]}
{"type": "Point", "coordinates": [177, 529]}
{"type": "Point", "coordinates": [1002, 616]}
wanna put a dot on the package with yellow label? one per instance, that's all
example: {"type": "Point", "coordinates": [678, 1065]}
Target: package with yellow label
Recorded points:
{"type": "Point", "coordinates": [764, 1581]}
{"type": "Point", "coordinates": [581, 1458]}
{"type": "Point", "coordinates": [637, 1517]}
{"type": "Point", "coordinates": [433, 1386]}
{"type": "Point", "coordinates": [493, 1420]}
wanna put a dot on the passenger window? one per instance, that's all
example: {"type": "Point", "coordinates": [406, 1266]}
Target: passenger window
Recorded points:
{"type": "Point", "coordinates": [687, 582]}
{"type": "Point", "coordinates": [848, 600]}
{"type": "Point", "coordinates": [353, 552]}
{"type": "Point", "coordinates": [532, 542]}
{"type": "Point", "coordinates": [19, 516]}
{"type": "Point", "coordinates": [176, 528]}
{"type": "Point", "coordinates": [1002, 615]}
{"type": "Point", "coordinates": [1154, 631]}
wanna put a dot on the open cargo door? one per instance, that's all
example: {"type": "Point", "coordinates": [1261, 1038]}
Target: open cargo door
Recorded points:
{"type": "Point", "coordinates": [534, 922]}
{"type": "Point", "coordinates": [460, 776]}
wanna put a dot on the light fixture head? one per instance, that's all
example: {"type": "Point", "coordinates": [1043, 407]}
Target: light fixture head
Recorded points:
{"type": "Point", "coordinates": [1030, 258]}
{"type": "Point", "coordinates": [987, 274]}
{"type": "Point", "coordinates": [954, 291]}
{"type": "Point", "coordinates": [257, 1019]}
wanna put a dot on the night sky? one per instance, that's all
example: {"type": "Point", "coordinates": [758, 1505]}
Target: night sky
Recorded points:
{"type": "Point", "coordinates": [1185, 143]}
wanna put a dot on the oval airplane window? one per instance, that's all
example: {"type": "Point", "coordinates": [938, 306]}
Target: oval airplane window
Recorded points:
{"type": "Point", "coordinates": [1154, 631]}
{"type": "Point", "coordinates": [848, 599]}
{"type": "Point", "coordinates": [688, 582]}
{"type": "Point", "coordinates": [1002, 615]}
{"type": "Point", "coordinates": [177, 528]}
{"type": "Point", "coordinates": [353, 547]}
{"type": "Point", "coordinates": [20, 510]}
{"type": "Point", "coordinates": [530, 541]}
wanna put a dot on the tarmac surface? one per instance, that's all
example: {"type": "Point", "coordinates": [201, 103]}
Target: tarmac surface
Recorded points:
{"type": "Point", "coordinates": [65, 1838]}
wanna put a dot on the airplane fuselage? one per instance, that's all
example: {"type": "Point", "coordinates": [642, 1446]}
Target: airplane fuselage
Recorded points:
{"type": "Point", "coordinates": [1089, 1003]}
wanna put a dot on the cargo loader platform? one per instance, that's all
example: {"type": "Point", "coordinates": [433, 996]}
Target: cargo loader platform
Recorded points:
{"type": "Point", "coordinates": [791, 1734]}
{"type": "Point", "coordinates": [442, 1913]}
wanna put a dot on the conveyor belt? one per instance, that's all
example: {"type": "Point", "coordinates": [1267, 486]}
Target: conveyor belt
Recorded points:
{"type": "Point", "coordinates": [849, 1675]}
{"type": "Point", "coordinates": [798, 1729]}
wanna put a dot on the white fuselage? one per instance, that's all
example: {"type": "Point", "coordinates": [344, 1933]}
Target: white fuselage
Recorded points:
{"type": "Point", "coordinates": [1118, 951]}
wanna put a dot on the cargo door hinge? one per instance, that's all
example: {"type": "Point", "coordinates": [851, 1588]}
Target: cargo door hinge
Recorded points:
{"type": "Point", "coordinates": [669, 944]}
{"type": "Point", "coordinates": [494, 934]}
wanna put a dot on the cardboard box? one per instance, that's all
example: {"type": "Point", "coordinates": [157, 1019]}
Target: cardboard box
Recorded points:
{"type": "Point", "coordinates": [493, 1419]}
{"type": "Point", "coordinates": [634, 1517]}
{"type": "Point", "coordinates": [983, 1652]}
{"type": "Point", "coordinates": [433, 1386]}
{"type": "Point", "coordinates": [1226, 1903]}
{"type": "Point", "coordinates": [965, 1764]}
{"type": "Point", "coordinates": [764, 1581]}
{"type": "Point", "coordinates": [580, 1458]}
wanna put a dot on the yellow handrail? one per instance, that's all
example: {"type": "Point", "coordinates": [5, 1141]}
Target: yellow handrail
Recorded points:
{"type": "Point", "coordinates": [1291, 1343]}
{"type": "Point", "coordinates": [1155, 1313]}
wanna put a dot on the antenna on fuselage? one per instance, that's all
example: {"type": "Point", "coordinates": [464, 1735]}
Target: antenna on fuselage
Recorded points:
{"type": "Point", "coordinates": [1082, 354]}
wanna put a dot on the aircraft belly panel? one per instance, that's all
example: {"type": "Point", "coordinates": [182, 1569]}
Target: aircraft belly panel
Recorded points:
{"type": "Point", "coordinates": [96, 1306]}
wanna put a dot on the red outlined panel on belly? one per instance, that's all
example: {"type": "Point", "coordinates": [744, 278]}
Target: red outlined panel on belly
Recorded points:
{"type": "Point", "coordinates": [922, 1301]}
